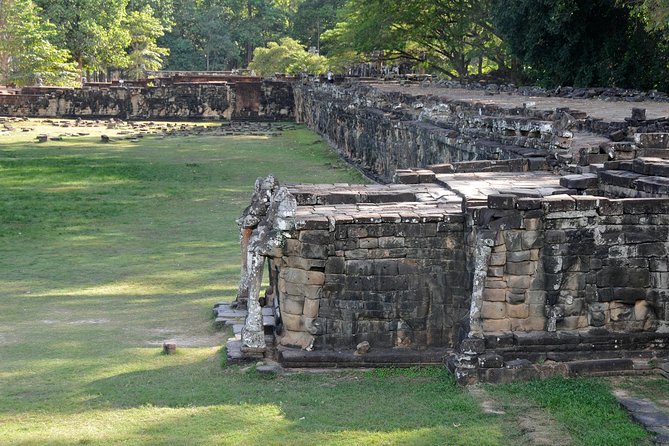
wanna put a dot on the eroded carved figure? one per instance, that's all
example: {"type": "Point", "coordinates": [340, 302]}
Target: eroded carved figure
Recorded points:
{"type": "Point", "coordinates": [266, 221]}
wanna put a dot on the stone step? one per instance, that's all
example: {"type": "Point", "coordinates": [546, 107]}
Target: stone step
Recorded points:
{"type": "Point", "coordinates": [377, 357]}
{"type": "Point", "coordinates": [647, 414]}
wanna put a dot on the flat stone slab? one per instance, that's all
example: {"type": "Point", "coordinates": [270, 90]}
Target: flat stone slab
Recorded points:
{"type": "Point", "coordinates": [596, 108]}
{"type": "Point", "coordinates": [647, 414]}
{"type": "Point", "coordinates": [377, 357]}
{"type": "Point", "coordinates": [480, 185]}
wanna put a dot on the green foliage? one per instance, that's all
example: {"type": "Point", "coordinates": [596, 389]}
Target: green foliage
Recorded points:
{"type": "Point", "coordinates": [91, 30]}
{"type": "Point", "coordinates": [144, 30]}
{"type": "Point", "coordinates": [574, 42]}
{"type": "Point", "coordinates": [287, 56]}
{"type": "Point", "coordinates": [655, 13]}
{"type": "Point", "coordinates": [453, 37]}
{"type": "Point", "coordinates": [312, 19]}
{"type": "Point", "coordinates": [26, 50]}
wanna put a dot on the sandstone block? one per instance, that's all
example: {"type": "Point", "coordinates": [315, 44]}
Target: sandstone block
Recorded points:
{"type": "Point", "coordinates": [496, 271]}
{"type": "Point", "coordinates": [573, 322]}
{"type": "Point", "coordinates": [642, 310]}
{"type": "Point", "coordinates": [391, 242]}
{"type": "Point", "coordinates": [310, 308]}
{"type": "Point", "coordinates": [495, 283]}
{"type": "Point", "coordinates": [497, 259]}
{"type": "Point", "coordinates": [520, 311]}
{"type": "Point", "coordinates": [529, 324]}
{"type": "Point", "coordinates": [537, 310]}
{"type": "Point", "coordinates": [494, 295]}
{"type": "Point", "coordinates": [518, 256]}
{"type": "Point", "coordinates": [520, 268]}
{"type": "Point", "coordinates": [334, 265]}
{"type": "Point", "coordinates": [315, 237]}
{"type": "Point", "coordinates": [518, 282]}
{"type": "Point", "coordinates": [501, 201]}
{"type": "Point", "coordinates": [493, 310]}
{"type": "Point", "coordinates": [532, 239]}
{"type": "Point", "coordinates": [619, 311]}
{"type": "Point", "coordinates": [292, 322]}
{"type": "Point", "coordinates": [532, 224]}
{"type": "Point", "coordinates": [298, 339]}
{"type": "Point", "coordinates": [368, 243]}
{"type": "Point", "coordinates": [291, 305]}
{"type": "Point", "coordinates": [515, 298]}
{"type": "Point", "coordinates": [536, 298]}
{"type": "Point", "coordinates": [495, 325]}
{"type": "Point", "coordinates": [513, 240]}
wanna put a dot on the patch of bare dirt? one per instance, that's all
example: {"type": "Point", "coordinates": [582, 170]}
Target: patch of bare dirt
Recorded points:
{"type": "Point", "coordinates": [526, 424]}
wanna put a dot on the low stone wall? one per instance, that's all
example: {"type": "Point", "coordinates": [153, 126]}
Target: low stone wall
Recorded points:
{"type": "Point", "coordinates": [389, 278]}
{"type": "Point", "coordinates": [248, 99]}
{"type": "Point", "coordinates": [382, 131]}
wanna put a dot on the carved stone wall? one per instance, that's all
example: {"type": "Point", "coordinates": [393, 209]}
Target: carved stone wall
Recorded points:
{"type": "Point", "coordinates": [250, 99]}
{"type": "Point", "coordinates": [388, 277]}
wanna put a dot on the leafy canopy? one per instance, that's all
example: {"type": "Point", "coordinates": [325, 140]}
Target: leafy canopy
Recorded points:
{"type": "Point", "coordinates": [288, 57]}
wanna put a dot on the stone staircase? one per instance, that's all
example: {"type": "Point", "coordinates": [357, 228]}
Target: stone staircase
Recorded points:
{"type": "Point", "coordinates": [226, 316]}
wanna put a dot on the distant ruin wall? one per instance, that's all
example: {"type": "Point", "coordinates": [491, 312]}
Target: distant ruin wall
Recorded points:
{"type": "Point", "coordinates": [381, 132]}
{"type": "Point", "coordinates": [248, 100]}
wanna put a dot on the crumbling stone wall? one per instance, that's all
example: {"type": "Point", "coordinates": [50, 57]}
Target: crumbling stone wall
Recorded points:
{"type": "Point", "coordinates": [601, 261]}
{"type": "Point", "coordinates": [389, 277]}
{"type": "Point", "coordinates": [384, 131]}
{"type": "Point", "coordinates": [391, 283]}
{"type": "Point", "coordinates": [253, 99]}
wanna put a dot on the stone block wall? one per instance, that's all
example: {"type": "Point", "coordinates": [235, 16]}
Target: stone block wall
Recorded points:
{"type": "Point", "coordinates": [392, 275]}
{"type": "Point", "coordinates": [251, 99]}
{"type": "Point", "coordinates": [601, 262]}
{"type": "Point", "coordinates": [390, 282]}
{"type": "Point", "coordinates": [375, 133]}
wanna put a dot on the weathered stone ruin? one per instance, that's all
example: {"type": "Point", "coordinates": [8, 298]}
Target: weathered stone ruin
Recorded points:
{"type": "Point", "coordinates": [523, 236]}
{"type": "Point", "coordinates": [526, 243]}
{"type": "Point", "coordinates": [207, 97]}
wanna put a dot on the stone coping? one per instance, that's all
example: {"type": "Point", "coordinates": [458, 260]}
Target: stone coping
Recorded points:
{"type": "Point", "coordinates": [481, 185]}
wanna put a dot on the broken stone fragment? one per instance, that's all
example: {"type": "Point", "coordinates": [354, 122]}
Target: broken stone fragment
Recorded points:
{"type": "Point", "coordinates": [362, 348]}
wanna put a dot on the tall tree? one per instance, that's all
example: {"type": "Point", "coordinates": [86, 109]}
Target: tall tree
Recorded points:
{"type": "Point", "coordinates": [92, 30]}
{"type": "Point", "coordinates": [26, 52]}
{"type": "Point", "coordinates": [144, 30]}
{"type": "Point", "coordinates": [312, 18]}
{"type": "Point", "coordinates": [450, 36]}
{"type": "Point", "coordinates": [583, 43]}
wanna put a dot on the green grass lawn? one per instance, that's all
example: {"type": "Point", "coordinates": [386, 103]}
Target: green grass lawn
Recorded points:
{"type": "Point", "coordinates": [108, 250]}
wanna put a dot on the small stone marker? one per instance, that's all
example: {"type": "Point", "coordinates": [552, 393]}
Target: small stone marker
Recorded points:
{"type": "Point", "coordinates": [169, 348]}
{"type": "Point", "coordinates": [362, 348]}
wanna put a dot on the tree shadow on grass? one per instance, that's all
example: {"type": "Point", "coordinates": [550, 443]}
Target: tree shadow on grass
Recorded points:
{"type": "Point", "coordinates": [301, 408]}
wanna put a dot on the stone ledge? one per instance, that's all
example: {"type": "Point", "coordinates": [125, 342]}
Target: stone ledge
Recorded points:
{"type": "Point", "coordinates": [376, 357]}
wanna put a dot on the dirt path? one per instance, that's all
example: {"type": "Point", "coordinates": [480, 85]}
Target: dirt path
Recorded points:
{"type": "Point", "coordinates": [524, 423]}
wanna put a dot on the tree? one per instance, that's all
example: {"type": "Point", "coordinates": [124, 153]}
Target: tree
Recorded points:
{"type": "Point", "coordinates": [92, 30]}
{"type": "Point", "coordinates": [312, 18]}
{"type": "Point", "coordinates": [144, 30]}
{"type": "Point", "coordinates": [26, 51]}
{"type": "Point", "coordinates": [582, 43]}
{"type": "Point", "coordinates": [449, 36]}
{"type": "Point", "coordinates": [288, 57]}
